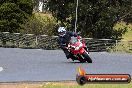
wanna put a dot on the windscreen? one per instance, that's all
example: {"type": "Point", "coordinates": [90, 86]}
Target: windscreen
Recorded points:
{"type": "Point", "coordinates": [73, 40]}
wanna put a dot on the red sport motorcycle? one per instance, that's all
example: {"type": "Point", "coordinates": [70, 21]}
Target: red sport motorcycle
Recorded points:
{"type": "Point", "coordinates": [78, 50]}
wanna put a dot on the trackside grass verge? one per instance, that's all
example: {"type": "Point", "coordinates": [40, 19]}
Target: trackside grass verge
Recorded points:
{"type": "Point", "coordinates": [62, 85]}
{"type": "Point", "coordinates": [59, 85]}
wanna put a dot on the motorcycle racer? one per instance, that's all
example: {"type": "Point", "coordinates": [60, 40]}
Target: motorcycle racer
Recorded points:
{"type": "Point", "coordinates": [64, 38]}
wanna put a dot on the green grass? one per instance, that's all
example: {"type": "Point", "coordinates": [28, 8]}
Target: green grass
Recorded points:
{"type": "Point", "coordinates": [125, 44]}
{"type": "Point", "coordinates": [122, 47]}
{"type": "Point", "coordinates": [59, 85]}
{"type": "Point", "coordinates": [128, 35]}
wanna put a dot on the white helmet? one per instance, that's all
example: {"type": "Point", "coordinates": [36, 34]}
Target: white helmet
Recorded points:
{"type": "Point", "coordinates": [61, 31]}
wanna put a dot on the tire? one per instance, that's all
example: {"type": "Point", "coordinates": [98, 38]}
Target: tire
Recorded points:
{"type": "Point", "coordinates": [87, 58]}
{"type": "Point", "coordinates": [81, 59]}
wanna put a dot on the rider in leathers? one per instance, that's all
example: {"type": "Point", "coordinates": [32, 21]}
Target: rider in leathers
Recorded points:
{"type": "Point", "coordinates": [64, 38]}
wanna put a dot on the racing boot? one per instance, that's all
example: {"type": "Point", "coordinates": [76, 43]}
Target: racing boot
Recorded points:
{"type": "Point", "coordinates": [67, 56]}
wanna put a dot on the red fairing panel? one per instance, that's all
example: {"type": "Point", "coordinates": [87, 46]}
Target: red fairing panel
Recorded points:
{"type": "Point", "coordinates": [82, 50]}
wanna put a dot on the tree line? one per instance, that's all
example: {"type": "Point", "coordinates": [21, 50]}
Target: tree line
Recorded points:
{"type": "Point", "coordinates": [96, 18]}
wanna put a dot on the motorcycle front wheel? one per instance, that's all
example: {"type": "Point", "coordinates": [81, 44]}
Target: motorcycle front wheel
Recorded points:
{"type": "Point", "coordinates": [80, 58]}
{"type": "Point", "coordinates": [87, 58]}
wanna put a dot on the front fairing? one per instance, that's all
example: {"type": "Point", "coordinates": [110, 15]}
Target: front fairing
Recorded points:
{"type": "Point", "coordinates": [81, 51]}
{"type": "Point", "coordinates": [77, 46]}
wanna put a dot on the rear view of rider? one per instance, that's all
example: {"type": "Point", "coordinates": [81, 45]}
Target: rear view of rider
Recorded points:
{"type": "Point", "coordinates": [64, 38]}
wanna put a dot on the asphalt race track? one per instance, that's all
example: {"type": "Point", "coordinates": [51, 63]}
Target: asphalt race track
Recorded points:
{"type": "Point", "coordinates": [51, 65]}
